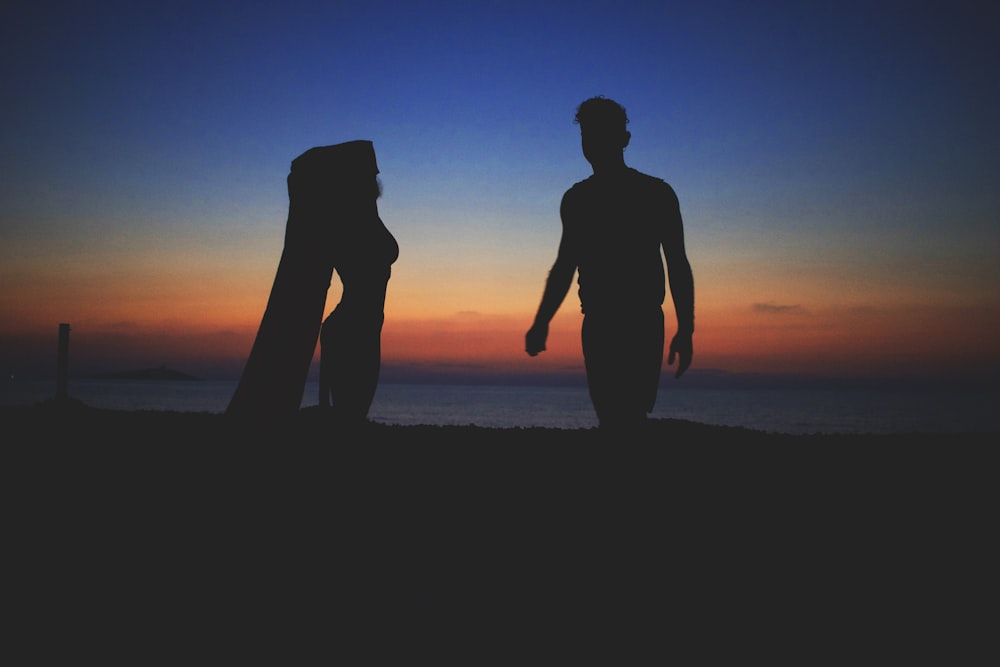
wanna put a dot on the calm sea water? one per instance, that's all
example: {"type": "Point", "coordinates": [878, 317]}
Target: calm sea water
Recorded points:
{"type": "Point", "coordinates": [774, 410]}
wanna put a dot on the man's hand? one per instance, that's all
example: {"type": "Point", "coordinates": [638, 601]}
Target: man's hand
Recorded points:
{"type": "Point", "coordinates": [534, 340]}
{"type": "Point", "coordinates": [681, 346]}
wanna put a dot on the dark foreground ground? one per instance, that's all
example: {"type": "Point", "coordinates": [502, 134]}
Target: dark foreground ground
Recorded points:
{"type": "Point", "coordinates": [133, 535]}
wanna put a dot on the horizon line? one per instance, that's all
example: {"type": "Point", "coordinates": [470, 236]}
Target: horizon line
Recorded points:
{"type": "Point", "coordinates": [701, 378]}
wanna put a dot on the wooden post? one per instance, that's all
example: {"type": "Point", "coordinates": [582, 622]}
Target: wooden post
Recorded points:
{"type": "Point", "coordinates": [62, 363]}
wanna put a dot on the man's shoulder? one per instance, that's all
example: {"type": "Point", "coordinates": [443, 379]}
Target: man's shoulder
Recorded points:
{"type": "Point", "coordinates": [649, 180]}
{"type": "Point", "coordinates": [581, 186]}
{"type": "Point", "coordinates": [654, 188]}
{"type": "Point", "coordinates": [633, 181]}
{"type": "Point", "coordinates": [577, 191]}
{"type": "Point", "coordinates": [631, 174]}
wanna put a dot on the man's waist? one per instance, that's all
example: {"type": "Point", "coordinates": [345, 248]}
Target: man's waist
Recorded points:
{"type": "Point", "coordinates": [599, 306]}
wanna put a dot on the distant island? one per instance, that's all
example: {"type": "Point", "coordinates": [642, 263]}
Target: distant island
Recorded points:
{"type": "Point", "coordinates": [161, 373]}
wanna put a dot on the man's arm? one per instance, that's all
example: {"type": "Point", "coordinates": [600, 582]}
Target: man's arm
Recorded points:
{"type": "Point", "coordinates": [681, 280]}
{"type": "Point", "coordinates": [556, 286]}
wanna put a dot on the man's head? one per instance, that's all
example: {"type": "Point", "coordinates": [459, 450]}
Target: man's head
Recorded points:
{"type": "Point", "coordinates": [602, 130]}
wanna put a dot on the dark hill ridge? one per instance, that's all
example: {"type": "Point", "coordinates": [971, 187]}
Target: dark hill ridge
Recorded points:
{"type": "Point", "coordinates": [161, 373]}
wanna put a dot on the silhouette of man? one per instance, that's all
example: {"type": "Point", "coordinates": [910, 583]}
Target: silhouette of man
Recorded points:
{"type": "Point", "coordinates": [614, 225]}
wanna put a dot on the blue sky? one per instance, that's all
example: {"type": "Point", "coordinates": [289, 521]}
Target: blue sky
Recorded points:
{"type": "Point", "coordinates": [827, 155]}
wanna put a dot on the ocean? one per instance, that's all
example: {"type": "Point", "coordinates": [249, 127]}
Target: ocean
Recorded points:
{"type": "Point", "coordinates": [794, 411]}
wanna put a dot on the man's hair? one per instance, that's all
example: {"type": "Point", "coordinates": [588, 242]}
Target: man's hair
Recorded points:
{"type": "Point", "coordinates": [601, 112]}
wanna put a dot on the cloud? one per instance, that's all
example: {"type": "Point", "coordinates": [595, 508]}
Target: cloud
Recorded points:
{"type": "Point", "coordinates": [123, 325]}
{"type": "Point", "coordinates": [778, 309]}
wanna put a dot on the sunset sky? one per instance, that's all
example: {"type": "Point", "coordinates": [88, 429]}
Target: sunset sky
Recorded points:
{"type": "Point", "coordinates": [837, 164]}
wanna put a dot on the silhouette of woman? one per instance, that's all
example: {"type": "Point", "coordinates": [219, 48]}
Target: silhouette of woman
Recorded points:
{"type": "Point", "coordinates": [333, 223]}
{"type": "Point", "coordinates": [362, 252]}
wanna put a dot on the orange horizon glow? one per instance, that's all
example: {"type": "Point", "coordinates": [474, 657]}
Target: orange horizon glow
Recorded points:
{"type": "Point", "coordinates": [837, 341]}
{"type": "Point", "coordinates": [185, 311]}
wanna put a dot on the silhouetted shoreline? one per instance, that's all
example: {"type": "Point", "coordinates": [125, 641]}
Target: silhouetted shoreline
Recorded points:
{"type": "Point", "coordinates": [73, 419]}
{"type": "Point", "coordinates": [159, 373]}
{"type": "Point", "coordinates": [426, 528]}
